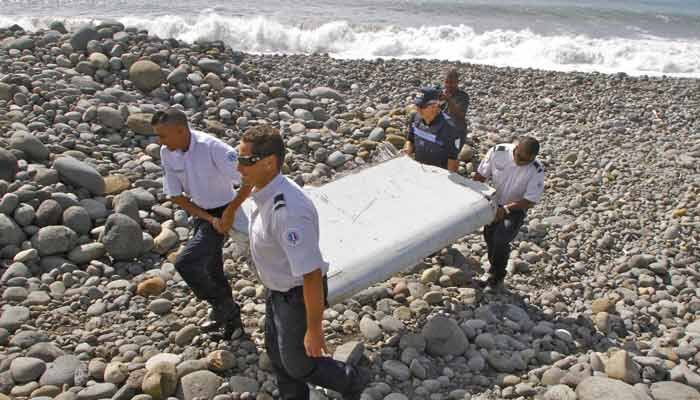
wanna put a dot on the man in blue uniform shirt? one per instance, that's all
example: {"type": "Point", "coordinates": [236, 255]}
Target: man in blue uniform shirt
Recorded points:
{"type": "Point", "coordinates": [199, 172]}
{"type": "Point", "coordinates": [284, 244]}
{"type": "Point", "coordinates": [433, 137]}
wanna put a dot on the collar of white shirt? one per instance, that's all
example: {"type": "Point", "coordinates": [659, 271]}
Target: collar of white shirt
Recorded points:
{"type": "Point", "coordinates": [263, 195]}
{"type": "Point", "coordinates": [195, 137]}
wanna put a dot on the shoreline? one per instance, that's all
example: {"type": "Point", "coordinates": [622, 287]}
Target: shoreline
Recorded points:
{"type": "Point", "coordinates": [635, 56]}
{"type": "Point", "coordinates": [604, 293]}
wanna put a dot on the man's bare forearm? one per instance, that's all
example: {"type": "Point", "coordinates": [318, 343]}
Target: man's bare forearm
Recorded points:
{"type": "Point", "coordinates": [235, 204]}
{"type": "Point", "coordinates": [452, 165]}
{"type": "Point", "coordinates": [408, 148]}
{"type": "Point", "coordinates": [192, 209]}
{"type": "Point", "coordinates": [313, 300]}
{"type": "Point", "coordinates": [520, 205]}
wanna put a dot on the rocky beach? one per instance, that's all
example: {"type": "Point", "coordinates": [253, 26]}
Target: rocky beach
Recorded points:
{"type": "Point", "coordinates": [603, 299]}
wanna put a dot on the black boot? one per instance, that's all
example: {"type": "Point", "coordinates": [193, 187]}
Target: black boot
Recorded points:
{"type": "Point", "coordinates": [222, 312]}
{"type": "Point", "coordinates": [234, 328]}
{"type": "Point", "coordinates": [494, 285]}
{"type": "Point", "coordinates": [348, 380]}
{"type": "Point", "coordinates": [211, 326]}
{"type": "Point", "coordinates": [490, 284]}
{"type": "Point", "coordinates": [361, 379]}
{"type": "Point", "coordinates": [216, 319]}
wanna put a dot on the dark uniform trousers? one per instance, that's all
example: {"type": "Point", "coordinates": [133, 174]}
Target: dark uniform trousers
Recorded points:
{"type": "Point", "coordinates": [201, 265]}
{"type": "Point", "coordinates": [285, 328]}
{"type": "Point", "coordinates": [498, 236]}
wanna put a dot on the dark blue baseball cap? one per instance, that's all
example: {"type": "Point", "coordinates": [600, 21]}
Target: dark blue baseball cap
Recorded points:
{"type": "Point", "coordinates": [426, 96]}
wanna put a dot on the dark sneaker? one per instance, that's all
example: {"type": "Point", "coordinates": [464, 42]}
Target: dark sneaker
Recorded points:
{"type": "Point", "coordinates": [490, 284]}
{"type": "Point", "coordinates": [224, 330]}
{"type": "Point", "coordinates": [211, 326]}
{"type": "Point", "coordinates": [481, 284]}
{"type": "Point", "coordinates": [494, 285]}
{"type": "Point", "coordinates": [361, 379]}
{"type": "Point", "coordinates": [234, 328]}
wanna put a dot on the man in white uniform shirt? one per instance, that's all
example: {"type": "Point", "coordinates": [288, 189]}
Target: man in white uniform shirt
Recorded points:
{"type": "Point", "coordinates": [284, 243]}
{"type": "Point", "coordinates": [199, 173]}
{"type": "Point", "coordinates": [519, 182]}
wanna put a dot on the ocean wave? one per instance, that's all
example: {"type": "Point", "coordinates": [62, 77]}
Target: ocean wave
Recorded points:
{"type": "Point", "coordinates": [500, 47]}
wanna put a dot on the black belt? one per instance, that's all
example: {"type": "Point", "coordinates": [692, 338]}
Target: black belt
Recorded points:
{"type": "Point", "coordinates": [298, 291]}
{"type": "Point", "coordinates": [217, 212]}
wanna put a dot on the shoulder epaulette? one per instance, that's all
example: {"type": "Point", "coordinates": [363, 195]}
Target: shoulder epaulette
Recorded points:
{"type": "Point", "coordinates": [279, 202]}
{"type": "Point", "coordinates": [537, 166]}
{"type": "Point", "coordinates": [501, 148]}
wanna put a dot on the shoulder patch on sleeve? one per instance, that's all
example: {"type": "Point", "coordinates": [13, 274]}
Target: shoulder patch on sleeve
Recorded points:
{"type": "Point", "coordinates": [500, 148]}
{"type": "Point", "coordinates": [279, 202]}
{"type": "Point", "coordinates": [232, 156]}
{"type": "Point", "coordinates": [292, 237]}
{"type": "Point", "coordinates": [537, 166]}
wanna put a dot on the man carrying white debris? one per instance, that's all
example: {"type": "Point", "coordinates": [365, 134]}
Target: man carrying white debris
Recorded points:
{"type": "Point", "coordinates": [199, 174]}
{"type": "Point", "coordinates": [519, 182]}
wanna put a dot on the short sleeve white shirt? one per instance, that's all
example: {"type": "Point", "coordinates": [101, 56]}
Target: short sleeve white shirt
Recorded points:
{"type": "Point", "coordinates": [512, 182]}
{"type": "Point", "coordinates": [206, 172]}
{"type": "Point", "coordinates": [284, 235]}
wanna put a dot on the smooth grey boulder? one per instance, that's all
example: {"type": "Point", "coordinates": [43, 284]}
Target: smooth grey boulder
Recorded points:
{"type": "Point", "coordinates": [55, 239]}
{"type": "Point", "coordinates": [121, 237]}
{"type": "Point", "coordinates": [80, 174]}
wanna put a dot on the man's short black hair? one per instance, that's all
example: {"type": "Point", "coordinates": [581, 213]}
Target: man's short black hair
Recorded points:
{"type": "Point", "coordinates": [265, 140]}
{"type": "Point", "coordinates": [169, 116]}
{"type": "Point", "coordinates": [530, 145]}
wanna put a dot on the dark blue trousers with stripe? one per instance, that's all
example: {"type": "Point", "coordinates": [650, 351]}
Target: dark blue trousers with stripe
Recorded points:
{"type": "Point", "coordinates": [498, 236]}
{"type": "Point", "coordinates": [201, 265]}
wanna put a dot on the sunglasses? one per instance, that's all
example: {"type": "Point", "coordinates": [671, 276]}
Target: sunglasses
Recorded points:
{"type": "Point", "coordinates": [247, 161]}
{"type": "Point", "coordinates": [426, 105]}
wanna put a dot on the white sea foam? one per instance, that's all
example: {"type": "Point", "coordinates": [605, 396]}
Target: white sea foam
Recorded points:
{"type": "Point", "coordinates": [646, 55]}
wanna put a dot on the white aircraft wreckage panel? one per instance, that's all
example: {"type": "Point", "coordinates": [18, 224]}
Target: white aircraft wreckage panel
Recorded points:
{"type": "Point", "coordinates": [387, 218]}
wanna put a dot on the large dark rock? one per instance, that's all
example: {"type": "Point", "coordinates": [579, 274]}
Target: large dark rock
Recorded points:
{"type": "Point", "coordinates": [80, 174]}
{"type": "Point", "coordinates": [30, 145]}
{"type": "Point", "coordinates": [54, 239]}
{"type": "Point", "coordinates": [8, 165]}
{"type": "Point", "coordinates": [82, 37]}
{"type": "Point", "coordinates": [49, 213]}
{"type": "Point", "coordinates": [61, 371]}
{"type": "Point", "coordinates": [122, 237]}
{"type": "Point", "coordinates": [146, 75]}
{"type": "Point", "coordinates": [10, 232]}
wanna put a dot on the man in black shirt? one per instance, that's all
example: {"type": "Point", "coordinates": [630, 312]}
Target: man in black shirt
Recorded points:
{"type": "Point", "coordinates": [433, 137]}
{"type": "Point", "coordinates": [455, 100]}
